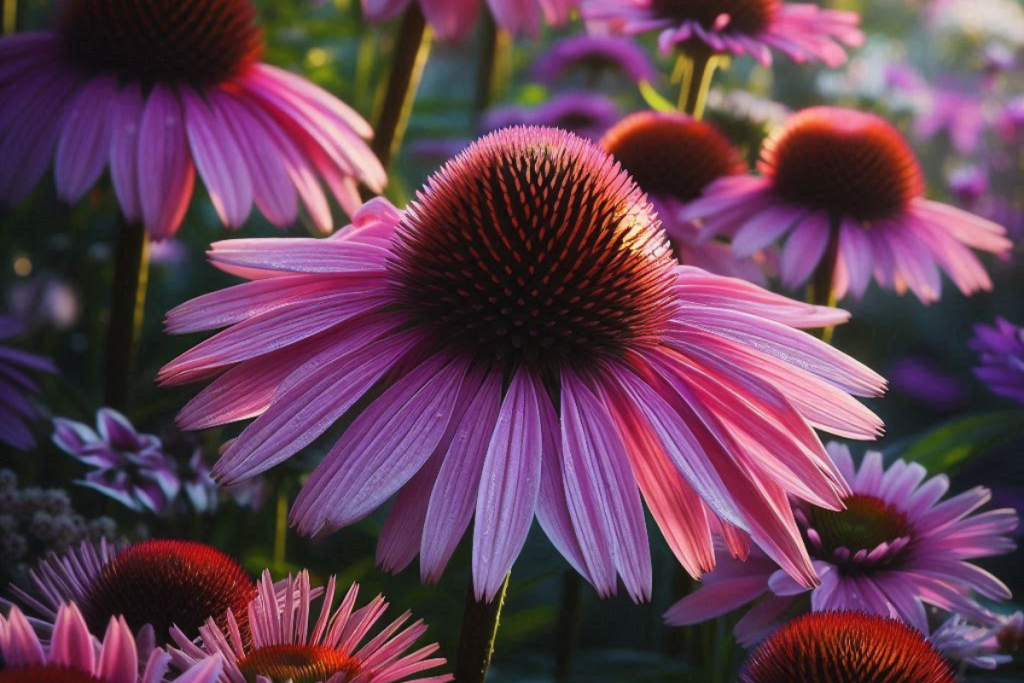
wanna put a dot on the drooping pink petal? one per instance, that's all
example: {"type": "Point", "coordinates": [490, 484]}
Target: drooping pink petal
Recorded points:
{"type": "Point", "coordinates": [165, 170]}
{"type": "Point", "coordinates": [509, 485]}
{"type": "Point", "coordinates": [83, 149]}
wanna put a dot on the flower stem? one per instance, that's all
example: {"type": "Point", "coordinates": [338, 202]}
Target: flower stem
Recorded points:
{"type": "Point", "coordinates": [494, 47]}
{"type": "Point", "coordinates": [822, 290]}
{"type": "Point", "coordinates": [568, 629]}
{"type": "Point", "coordinates": [10, 17]}
{"type": "Point", "coordinates": [696, 82]}
{"type": "Point", "coordinates": [131, 273]}
{"type": "Point", "coordinates": [411, 51]}
{"type": "Point", "coordinates": [479, 629]}
{"type": "Point", "coordinates": [280, 526]}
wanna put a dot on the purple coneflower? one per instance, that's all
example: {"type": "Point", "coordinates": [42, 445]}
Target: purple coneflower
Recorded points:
{"type": "Point", "coordinates": [131, 468]}
{"type": "Point", "coordinates": [804, 32]}
{"type": "Point", "coordinates": [153, 585]}
{"type": "Point", "coordinates": [968, 645]}
{"type": "Point", "coordinates": [593, 55]}
{"type": "Point", "coordinates": [895, 548]}
{"type": "Point", "coordinates": [18, 388]}
{"type": "Point", "coordinates": [673, 157]}
{"type": "Point", "coordinates": [454, 19]}
{"type": "Point", "coordinates": [74, 655]}
{"type": "Point", "coordinates": [1001, 351]}
{"type": "Point", "coordinates": [539, 352]}
{"type": "Point", "coordinates": [851, 647]}
{"type": "Point", "coordinates": [282, 648]}
{"type": "Point", "coordinates": [162, 89]}
{"type": "Point", "coordinates": [846, 188]}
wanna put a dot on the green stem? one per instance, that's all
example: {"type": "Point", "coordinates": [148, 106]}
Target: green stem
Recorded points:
{"type": "Point", "coordinates": [280, 526]}
{"type": "Point", "coordinates": [568, 630]}
{"type": "Point", "coordinates": [412, 48]}
{"type": "Point", "coordinates": [131, 273]}
{"type": "Point", "coordinates": [10, 17]}
{"type": "Point", "coordinates": [696, 82]}
{"type": "Point", "coordinates": [479, 630]}
{"type": "Point", "coordinates": [490, 78]}
{"type": "Point", "coordinates": [822, 290]}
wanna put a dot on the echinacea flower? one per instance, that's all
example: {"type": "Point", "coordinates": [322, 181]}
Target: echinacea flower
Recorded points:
{"type": "Point", "coordinates": [802, 31]}
{"type": "Point", "coordinates": [131, 468]}
{"type": "Point", "coordinates": [968, 645]}
{"type": "Point", "coordinates": [673, 157]}
{"type": "Point", "coordinates": [282, 648]}
{"type": "Point", "coordinates": [18, 389]}
{"type": "Point", "coordinates": [1000, 348]}
{"type": "Point", "coordinates": [850, 647]}
{"type": "Point", "coordinates": [1010, 634]}
{"type": "Point", "coordinates": [538, 352]}
{"type": "Point", "coordinates": [454, 19]}
{"type": "Point", "coordinates": [74, 655]}
{"type": "Point", "coordinates": [593, 55]}
{"type": "Point", "coordinates": [153, 585]}
{"type": "Point", "coordinates": [162, 91]}
{"type": "Point", "coordinates": [895, 548]}
{"type": "Point", "coordinates": [846, 182]}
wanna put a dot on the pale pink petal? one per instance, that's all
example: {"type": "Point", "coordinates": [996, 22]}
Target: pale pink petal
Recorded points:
{"type": "Point", "coordinates": [165, 170]}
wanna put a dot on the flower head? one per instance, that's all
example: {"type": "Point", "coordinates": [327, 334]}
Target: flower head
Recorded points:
{"type": "Point", "coordinates": [1000, 348]}
{"type": "Point", "coordinates": [537, 351]}
{"type": "Point", "coordinates": [131, 468]}
{"type": "Point", "coordinates": [845, 646]}
{"type": "Point", "coordinates": [73, 655]}
{"type": "Point", "coordinates": [454, 19]}
{"type": "Point", "coordinates": [673, 157]}
{"type": "Point", "coordinates": [159, 93]}
{"type": "Point", "coordinates": [150, 585]}
{"type": "Point", "coordinates": [17, 389]}
{"type": "Point", "coordinates": [593, 55]}
{"type": "Point", "coordinates": [282, 648]}
{"type": "Point", "coordinates": [966, 644]}
{"type": "Point", "coordinates": [896, 547]}
{"type": "Point", "coordinates": [841, 175]}
{"type": "Point", "coordinates": [804, 32]}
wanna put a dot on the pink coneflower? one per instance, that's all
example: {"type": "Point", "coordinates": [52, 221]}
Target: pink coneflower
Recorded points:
{"type": "Point", "coordinates": [540, 352]}
{"type": "Point", "coordinates": [162, 90]}
{"type": "Point", "coordinates": [73, 655]}
{"type": "Point", "coordinates": [967, 645]}
{"type": "Point", "coordinates": [845, 183]}
{"type": "Point", "coordinates": [804, 32]}
{"type": "Point", "coordinates": [1001, 350]}
{"type": "Point", "coordinates": [130, 467]}
{"type": "Point", "coordinates": [454, 19]}
{"type": "Point", "coordinates": [850, 647]}
{"type": "Point", "coordinates": [586, 114]}
{"type": "Point", "coordinates": [593, 55]}
{"type": "Point", "coordinates": [673, 157]}
{"type": "Point", "coordinates": [283, 649]}
{"type": "Point", "coordinates": [18, 388]}
{"type": "Point", "coordinates": [152, 585]}
{"type": "Point", "coordinates": [895, 548]}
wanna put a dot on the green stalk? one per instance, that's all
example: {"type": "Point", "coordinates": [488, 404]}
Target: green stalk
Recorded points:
{"type": "Point", "coordinates": [822, 289]}
{"type": "Point", "coordinates": [567, 631]}
{"type": "Point", "coordinates": [696, 82]}
{"type": "Point", "coordinates": [479, 630]}
{"type": "Point", "coordinates": [493, 66]}
{"type": "Point", "coordinates": [128, 304]}
{"type": "Point", "coordinates": [412, 48]}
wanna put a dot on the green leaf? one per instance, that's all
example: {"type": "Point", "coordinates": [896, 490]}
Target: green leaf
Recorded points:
{"type": "Point", "coordinates": [964, 438]}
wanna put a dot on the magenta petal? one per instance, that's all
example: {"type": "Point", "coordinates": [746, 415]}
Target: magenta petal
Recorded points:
{"type": "Point", "coordinates": [400, 536]}
{"type": "Point", "coordinates": [454, 497]}
{"type": "Point", "coordinates": [509, 486]}
{"type": "Point", "coordinates": [166, 173]}
{"type": "Point", "coordinates": [595, 457]}
{"type": "Point", "coordinates": [21, 645]}
{"type": "Point", "coordinates": [715, 599]}
{"type": "Point", "coordinates": [82, 151]}
{"type": "Point", "coordinates": [126, 117]}
{"type": "Point", "coordinates": [552, 504]}
{"type": "Point", "coordinates": [119, 659]}
{"type": "Point", "coordinates": [385, 446]}
{"type": "Point", "coordinates": [71, 644]}
{"type": "Point", "coordinates": [219, 160]}
{"type": "Point", "coordinates": [312, 399]}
